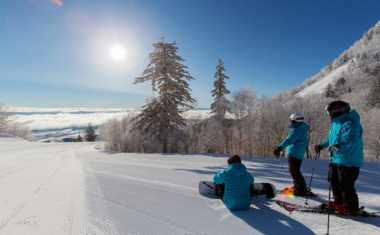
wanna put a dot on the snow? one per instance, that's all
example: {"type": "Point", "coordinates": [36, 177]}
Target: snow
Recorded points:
{"type": "Point", "coordinates": [76, 188]}
{"type": "Point", "coordinates": [319, 86]}
{"type": "Point", "coordinates": [9, 138]}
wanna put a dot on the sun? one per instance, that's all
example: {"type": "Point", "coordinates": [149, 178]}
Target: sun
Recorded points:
{"type": "Point", "coordinates": [118, 53]}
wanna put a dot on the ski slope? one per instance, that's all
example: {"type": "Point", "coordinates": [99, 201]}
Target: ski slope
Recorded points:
{"type": "Point", "coordinates": [319, 86]}
{"type": "Point", "coordinates": [76, 188]}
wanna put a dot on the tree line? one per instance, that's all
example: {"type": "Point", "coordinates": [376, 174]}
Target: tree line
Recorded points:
{"type": "Point", "coordinates": [239, 122]}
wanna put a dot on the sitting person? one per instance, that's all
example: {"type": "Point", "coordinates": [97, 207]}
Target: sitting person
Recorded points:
{"type": "Point", "coordinates": [234, 184]}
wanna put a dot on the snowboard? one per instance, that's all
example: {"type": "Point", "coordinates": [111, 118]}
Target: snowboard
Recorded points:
{"type": "Point", "coordinates": [321, 209]}
{"type": "Point", "coordinates": [265, 190]}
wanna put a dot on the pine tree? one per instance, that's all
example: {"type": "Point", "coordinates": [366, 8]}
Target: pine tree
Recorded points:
{"type": "Point", "coordinates": [90, 133]}
{"type": "Point", "coordinates": [329, 91]}
{"type": "Point", "coordinates": [373, 97]}
{"type": "Point", "coordinates": [162, 115]}
{"type": "Point", "coordinates": [221, 105]}
{"type": "Point", "coordinates": [79, 139]}
{"type": "Point", "coordinates": [220, 88]}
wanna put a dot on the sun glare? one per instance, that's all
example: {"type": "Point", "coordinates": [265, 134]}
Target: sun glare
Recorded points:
{"type": "Point", "coordinates": [118, 53]}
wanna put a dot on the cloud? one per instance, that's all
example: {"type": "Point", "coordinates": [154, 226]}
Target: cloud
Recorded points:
{"type": "Point", "coordinates": [57, 119]}
{"type": "Point", "coordinates": [38, 122]}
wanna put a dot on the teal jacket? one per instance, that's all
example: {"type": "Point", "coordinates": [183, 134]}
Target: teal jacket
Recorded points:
{"type": "Point", "coordinates": [237, 181]}
{"type": "Point", "coordinates": [296, 140]}
{"type": "Point", "coordinates": [347, 132]}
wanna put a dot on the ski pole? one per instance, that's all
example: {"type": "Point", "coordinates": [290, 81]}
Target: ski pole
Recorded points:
{"type": "Point", "coordinates": [312, 173]}
{"type": "Point", "coordinates": [329, 177]}
{"type": "Point", "coordinates": [283, 154]}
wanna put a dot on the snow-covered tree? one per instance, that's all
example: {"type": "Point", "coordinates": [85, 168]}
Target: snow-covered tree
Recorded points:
{"type": "Point", "coordinates": [340, 82]}
{"type": "Point", "coordinates": [9, 125]}
{"type": "Point", "coordinates": [329, 91]}
{"type": "Point", "coordinates": [373, 97]}
{"type": "Point", "coordinates": [243, 107]}
{"type": "Point", "coordinates": [162, 115]}
{"type": "Point", "coordinates": [90, 133]}
{"type": "Point", "coordinates": [371, 139]}
{"type": "Point", "coordinates": [314, 116]}
{"type": "Point", "coordinates": [221, 105]}
{"type": "Point", "coordinates": [220, 90]}
{"type": "Point", "coordinates": [5, 118]}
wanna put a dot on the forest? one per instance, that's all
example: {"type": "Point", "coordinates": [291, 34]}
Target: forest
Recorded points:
{"type": "Point", "coordinates": [240, 122]}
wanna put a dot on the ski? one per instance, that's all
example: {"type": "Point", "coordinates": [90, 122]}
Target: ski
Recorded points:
{"type": "Point", "coordinates": [311, 194]}
{"type": "Point", "coordinates": [321, 209]}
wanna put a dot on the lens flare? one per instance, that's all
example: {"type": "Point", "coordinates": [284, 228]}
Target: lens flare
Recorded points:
{"type": "Point", "coordinates": [287, 193]}
{"type": "Point", "coordinates": [58, 2]}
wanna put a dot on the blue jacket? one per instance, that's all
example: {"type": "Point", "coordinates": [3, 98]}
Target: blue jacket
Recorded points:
{"type": "Point", "coordinates": [296, 140]}
{"type": "Point", "coordinates": [347, 132]}
{"type": "Point", "coordinates": [237, 181]}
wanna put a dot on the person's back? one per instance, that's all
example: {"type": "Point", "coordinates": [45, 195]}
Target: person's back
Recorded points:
{"type": "Point", "coordinates": [296, 143]}
{"type": "Point", "coordinates": [347, 132]}
{"type": "Point", "coordinates": [237, 184]}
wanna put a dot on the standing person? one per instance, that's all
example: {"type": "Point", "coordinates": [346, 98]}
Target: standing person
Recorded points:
{"type": "Point", "coordinates": [296, 143]}
{"type": "Point", "coordinates": [233, 185]}
{"type": "Point", "coordinates": [345, 144]}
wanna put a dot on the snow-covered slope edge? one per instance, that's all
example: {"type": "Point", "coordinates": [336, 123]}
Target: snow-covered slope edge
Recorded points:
{"type": "Point", "coordinates": [10, 138]}
{"type": "Point", "coordinates": [319, 87]}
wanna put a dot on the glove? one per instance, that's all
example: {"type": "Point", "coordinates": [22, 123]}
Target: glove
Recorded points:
{"type": "Point", "coordinates": [276, 151]}
{"type": "Point", "coordinates": [318, 148]}
{"type": "Point", "coordinates": [334, 148]}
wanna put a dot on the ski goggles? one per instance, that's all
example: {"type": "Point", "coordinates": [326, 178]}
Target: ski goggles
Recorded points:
{"type": "Point", "coordinates": [328, 113]}
{"type": "Point", "coordinates": [296, 119]}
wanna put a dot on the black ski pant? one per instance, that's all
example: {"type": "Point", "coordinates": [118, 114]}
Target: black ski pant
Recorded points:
{"type": "Point", "coordinates": [219, 190]}
{"type": "Point", "coordinates": [342, 185]}
{"type": "Point", "coordinates": [295, 172]}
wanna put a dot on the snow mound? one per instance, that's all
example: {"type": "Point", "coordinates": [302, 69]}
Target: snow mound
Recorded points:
{"type": "Point", "coordinates": [9, 138]}
{"type": "Point", "coordinates": [319, 87]}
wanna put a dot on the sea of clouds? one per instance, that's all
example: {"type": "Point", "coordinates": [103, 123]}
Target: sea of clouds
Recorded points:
{"type": "Point", "coordinates": [53, 124]}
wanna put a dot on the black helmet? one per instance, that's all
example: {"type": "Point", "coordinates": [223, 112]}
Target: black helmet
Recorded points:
{"type": "Point", "coordinates": [337, 108]}
{"type": "Point", "coordinates": [234, 159]}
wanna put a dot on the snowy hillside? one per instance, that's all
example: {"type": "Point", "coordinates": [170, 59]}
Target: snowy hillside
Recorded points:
{"type": "Point", "coordinates": [319, 86]}
{"type": "Point", "coordinates": [358, 64]}
{"type": "Point", "coordinates": [75, 188]}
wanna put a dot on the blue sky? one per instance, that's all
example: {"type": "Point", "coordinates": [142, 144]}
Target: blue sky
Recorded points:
{"type": "Point", "coordinates": [56, 53]}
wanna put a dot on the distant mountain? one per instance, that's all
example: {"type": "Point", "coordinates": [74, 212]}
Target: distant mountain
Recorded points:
{"type": "Point", "coordinates": [351, 71]}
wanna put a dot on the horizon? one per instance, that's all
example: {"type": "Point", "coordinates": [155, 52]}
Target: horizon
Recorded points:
{"type": "Point", "coordinates": [64, 54]}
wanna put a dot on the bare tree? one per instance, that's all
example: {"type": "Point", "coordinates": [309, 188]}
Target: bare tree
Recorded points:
{"type": "Point", "coordinates": [313, 111]}
{"type": "Point", "coordinates": [371, 134]}
{"type": "Point", "coordinates": [373, 97]}
{"type": "Point", "coordinates": [243, 106]}
{"type": "Point", "coordinates": [5, 118]}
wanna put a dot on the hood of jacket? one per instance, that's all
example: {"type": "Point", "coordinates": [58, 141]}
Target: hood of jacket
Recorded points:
{"type": "Point", "coordinates": [351, 116]}
{"type": "Point", "coordinates": [300, 125]}
{"type": "Point", "coordinates": [237, 169]}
